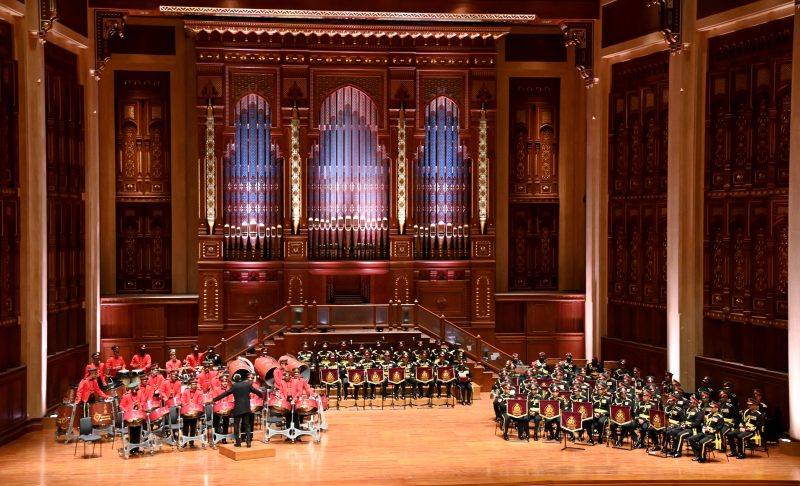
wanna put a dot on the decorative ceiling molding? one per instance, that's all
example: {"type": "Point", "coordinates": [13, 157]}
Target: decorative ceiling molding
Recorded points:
{"type": "Point", "coordinates": [580, 35]}
{"type": "Point", "coordinates": [48, 15]}
{"type": "Point", "coordinates": [349, 15]}
{"type": "Point", "coordinates": [670, 22]}
{"type": "Point", "coordinates": [289, 28]}
{"type": "Point", "coordinates": [107, 24]}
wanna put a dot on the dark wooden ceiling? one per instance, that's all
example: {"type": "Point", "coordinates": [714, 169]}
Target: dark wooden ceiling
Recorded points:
{"type": "Point", "coordinates": [545, 10]}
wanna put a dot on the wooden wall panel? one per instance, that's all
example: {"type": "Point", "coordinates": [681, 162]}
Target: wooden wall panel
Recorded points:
{"type": "Point", "coordinates": [143, 182]}
{"type": "Point", "coordinates": [745, 275]}
{"type": "Point", "coordinates": [246, 302]}
{"type": "Point", "coordinates": [533, 247]}
{"type": "Point", "coordinates": [65, 209]}
{"type": "Point", "coordinates": [706, 8]}
{"type": "Point", "coordinates": [63, 370]}
{"type": "Point", "coordinates": [637, 213]}
{"type": "Point", "coordinates": [13, 410]}
{"type": "Point", "coordinates": [774, 385]}
{"type": "Point", "coordinates": [9, 206]}
{"type": "Point", "coordinates": [449, 298]}
{"type": "Point", "coordinates": [652, 360]}
{"type": "Point", "coordinates": [625, 20]}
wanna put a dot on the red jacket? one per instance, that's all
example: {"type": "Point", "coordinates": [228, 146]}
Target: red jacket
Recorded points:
{"type": "Point", "coordinates": [129, 401]}
{"type": "Point", "coordinates": [170, 389]}
{"type": "Point", "coordinates": [218, 390]}
{"type": "Point", "coordinates": [192, 397]}
{"type": "Point", "coordinates": [192, 361]}
{"type": "Point", "coordinates": [157, 380]}
{"type": "Point", "coordinates": [146, 393]}
{"type": "Point", "coordinates": [101, 371]}
{"type": "Point", "coordinates": [173, 364]}
{"type": "Point", "coordinates": [294, 388]}
{"type": "Point", "coordinates": [141, 362]}
{"type": "Point", "coordinates": [85, 390]}
{"type": "Point", "coordinates": [114, 364]}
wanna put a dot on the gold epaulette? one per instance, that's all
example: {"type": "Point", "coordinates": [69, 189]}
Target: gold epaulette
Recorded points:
{"type": "Point", "coordinates": [673, 422]}
{"type": "Point", "coordinates": [600, 410]}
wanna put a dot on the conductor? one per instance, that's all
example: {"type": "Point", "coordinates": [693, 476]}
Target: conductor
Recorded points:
{"type": "Point", "coordinates": [241, 390]}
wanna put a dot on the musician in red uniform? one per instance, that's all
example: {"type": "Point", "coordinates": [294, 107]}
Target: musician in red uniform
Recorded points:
{"type": "Point", "coordinates": [191, 397]}
{"type": "Point", "coordinates": [173, 363]}
{"type": "Point", "coordinates": [293, 387]}
{"type": "Point", "coordinates": [146, 389]}
{"type": "Point", "coordinates": [141, 360]}
{"type": "Point", "coordinates": [170, 388]}
{"type": "Point", "coordinates": [222, 424]}
{"type": "Point", "coordinates": [156, 378]}
{"type": "Point", "coordinates": [88, 391]}
{"type": "Point", "coordinates": [131, 401]}
{"type": "Point", "coordinates": [99, 366]}
{"type": "Point", "coordinates": [115, 363]}
{"type": "Point", "coordinates": [194, 359]}
{"type": "Point", "coordinates": [204, 378]}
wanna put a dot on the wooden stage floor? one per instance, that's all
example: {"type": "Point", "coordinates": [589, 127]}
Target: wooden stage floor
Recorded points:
{"type": "Point", "coordinates": [438, 446]}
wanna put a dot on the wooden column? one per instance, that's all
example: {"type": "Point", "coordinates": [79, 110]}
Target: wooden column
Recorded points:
{"type": "Point", "coordinates": [597, 202]}
{"type": "Point", "coordinates": [794, 238]}
{"type": "Point", "coordinates": [685, 203]}
{"type": "Point", "coordinates": [33, 197]}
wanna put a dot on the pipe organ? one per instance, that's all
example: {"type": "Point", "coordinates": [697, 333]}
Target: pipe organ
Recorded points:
{"type": "Point", "coordinates": [386, 180]}
{"type": "Point", "coordinates": [348, 203]}
{"type": "Point", "coordinates": [442, 190]}
{"type": "Point", "coordinates": [253, 175]}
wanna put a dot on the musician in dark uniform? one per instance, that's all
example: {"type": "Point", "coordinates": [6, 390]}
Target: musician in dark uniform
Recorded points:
{"type": "Point", "coordinates": [386, 363]}
{"type": "Point", "coordinates": [705, 387]}
{"type": "Point", "coordinates": [366, 363]}
{"type": "Point", "coordinates": [424, 361]}
{"type": "Point", "coordinates": [675, 414]}
{"type": "Point", "coordinates": [642, 422]}
{"type": "Point", "coordinates": [540, 365]}
{"type": "Point", "coordinates": [752, 424]}
{"type": "Point", "coordinates": [621, 370]}
{"type": "Point", "coordinates": [523, 430]}
{"type": "Point", "coordinates": [499, 398]}
{"type": "Point", "coordinates": [464, 376]}
{"type": "Point", "coordinates": [688, 427]}
{"type": "Point", "coordinates": [729, 413]}
{"type": "Point", "coordinates": [709, 435]}
{"type": "Point", "coordinates": [535, 396]}
{"type": "Point", "coordinates": [442, 360]}
{"type": "Point", "coordinates": [410, 381]}
{"type": "Point", "coordinates": [241, 390]}
{"type": "Point", "coordinates": [594, 368]}
{"type": "Point", "coordinates": [618, 432]}
{"type": "Point", "coordinates": [211, 356]}
{"type": "Point", "coordinates": [601, 406]}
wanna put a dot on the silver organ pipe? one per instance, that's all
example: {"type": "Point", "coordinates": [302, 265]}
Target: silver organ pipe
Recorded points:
{"type": "Point", "coordinates": [253, 172]}
{"type": "Point", "coordinates": [442, 186]}
{"type": "Point", "coordinates": [348, 198]}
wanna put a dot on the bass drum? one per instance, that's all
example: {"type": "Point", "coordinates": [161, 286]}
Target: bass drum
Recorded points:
{"type": "Point", "coordinates": [240, 367]}
{"type": "Point", "coordinates": [278, 405]}
{"type": "Point", "coordinates": [265, 367]}
{"type": "Point", "coordinates": [101, 413]}
{"type": "Point", "coordinates": [293, 363]}
{"type": "Point", "coordinates": [65, 414]}
{"type": "Point", "coordinates": [306, 406]}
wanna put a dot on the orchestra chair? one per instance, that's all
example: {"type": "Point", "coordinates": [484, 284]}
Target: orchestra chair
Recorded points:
{"type": "Point", "coordinates": [86, 435]}
{"type": "Point", "coordinates": [756, 441]}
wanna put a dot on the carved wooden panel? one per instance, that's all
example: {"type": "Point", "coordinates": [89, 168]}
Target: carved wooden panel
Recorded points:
{"type": "Point", "coordinates": [142, 134]}
{"type": "Point", "coordinates": [533, 138]}
{"type": "Point", "coordinates": [637, 236]}
{"type": "Point", "coordinates": [533, 247]}
{"type": "Point", "coordinates": [746, 194]}
{"type": "Point", "coordinates": [65, 209]}
{"type": "Point", "coordinates": [143, 182]}
{"type": "Point", "coordinates": [144, 260]}
{"type": "Point", "coordinates": [13, 411]}
{"type": "Point", "coordinates": [246, 302]}
{"type": "Point", "coordinates": [9, 202]}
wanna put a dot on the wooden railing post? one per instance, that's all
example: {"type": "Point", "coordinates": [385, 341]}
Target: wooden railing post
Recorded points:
{"type": "Point", "coordinates": [305, 315]}
{"type": "Point", "coordinates": [392, 316]}
{"type": "Point", "coordinates": [478, 346]}
{"type": "Point", "coordinates": [414, 325]}
{"type": "Point", "coordinates": [441, 327]}
{"type": "Point", "coordinates": [314, 320]}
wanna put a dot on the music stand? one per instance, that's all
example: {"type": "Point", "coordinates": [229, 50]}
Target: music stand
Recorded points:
{"type": "Point", "coordinates": [620, 416]}
{"type": "Point", "coordinates": [330, 377]}
{"type": "Point", "coordinates": [397, 377]}
{"type": "Point", "coordinates": [375, 377]}
{"type": "Point", "coordinates": [658, 421]}
{"type": "Point", "coordinates": [424, 374]}
{"type": "Point", "coordinates": [446, 374]}
{"type": "Point", "coordinates": [549, 410]}
{"type": "Point", "coordinates": [571, 422]}
{"type": "Point", "coordinates": [516, 408]}
{"type": "Point", "coordinates": [587, 415]}
{"type": "Point", "coordinates": [356, 378]}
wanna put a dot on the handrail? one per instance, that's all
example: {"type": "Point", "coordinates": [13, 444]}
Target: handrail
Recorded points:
{"type": "Point", "coordinates": [480, 346]}
{"type": "Point", "coordinates": [260, 336]}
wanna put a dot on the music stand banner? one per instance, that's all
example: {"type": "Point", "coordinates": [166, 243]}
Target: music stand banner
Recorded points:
{"type": "Point", "coordinates": [329, 376]}
{"type": "Point", "coordinates": [445, 374]}
{"type": "Point", "coordinates": [355, 376]}
{"type": "Point", "coordinates": [397, 375]}
{"type": "Point", "coordinates": [424, 374]}
{"type": "Point", "coordinates": [514, 380]}
{"type": "Point", "coordinates": [658, 419]}
{"type": "Point", "coordinates": [620, 414]}
{"type": "Point", "coordinates": [571, 421]}
{"type": "Point", "coordinates": [375, 375]}
{"type": "Point", "coordinates": [584, 408]}
{"type": "Point", "coordinates": [544, 382]}
{"type": "Point", "coordinates": [517, 407]}
{"type": "Point", "coordinates": [549, 408]}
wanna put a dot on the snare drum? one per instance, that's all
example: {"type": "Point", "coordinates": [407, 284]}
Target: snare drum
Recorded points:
{"type": "Point", "coordinates": [134, 418]}
{"type": "Point", "coordinates": [101, 413]}
{"type": "Point", "coordinates": [306, 406]}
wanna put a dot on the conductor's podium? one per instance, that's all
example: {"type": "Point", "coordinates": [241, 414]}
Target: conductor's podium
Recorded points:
{"type": "Point", "coordinates": [258, 450]}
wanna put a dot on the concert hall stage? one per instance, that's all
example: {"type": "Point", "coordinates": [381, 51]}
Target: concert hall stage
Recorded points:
{"type": "Point", "coordinates": [438, 446]}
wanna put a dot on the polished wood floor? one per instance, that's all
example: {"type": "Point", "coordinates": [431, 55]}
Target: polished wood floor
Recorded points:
{"type": "Point", "coordinates": [438, 446]}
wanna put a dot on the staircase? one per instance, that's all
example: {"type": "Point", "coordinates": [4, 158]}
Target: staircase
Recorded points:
{"type": "Point", "coordinates": [347, 299]}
